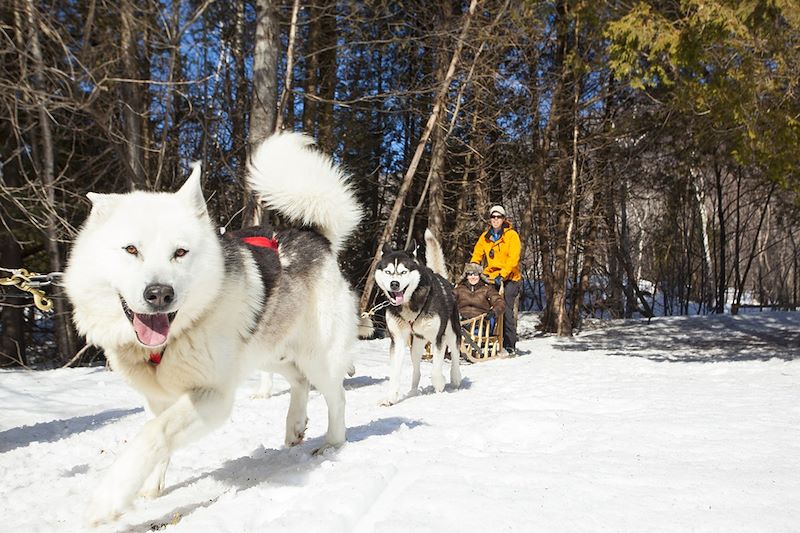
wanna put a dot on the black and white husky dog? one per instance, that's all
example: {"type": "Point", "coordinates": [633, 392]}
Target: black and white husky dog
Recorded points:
{"type": "Point", "coordinates": [423, 310]}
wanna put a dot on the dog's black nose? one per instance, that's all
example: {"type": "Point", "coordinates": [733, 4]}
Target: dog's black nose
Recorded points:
{"type": "Point", "coordinates": [159, 296]}
{"type": "Point", "coordinates": [395, 285]}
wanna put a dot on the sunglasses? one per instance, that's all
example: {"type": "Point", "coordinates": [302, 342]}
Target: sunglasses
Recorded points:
{"type": "Point", "coordinates": [471, 274]}
{"type": "Point", "coordinates": [497, 216]}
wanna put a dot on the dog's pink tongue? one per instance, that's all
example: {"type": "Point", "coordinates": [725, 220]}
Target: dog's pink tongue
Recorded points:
{"type": "Point", "coordinates": [151, 330]}
{"type": "Point", "coordinates": [398, 297]}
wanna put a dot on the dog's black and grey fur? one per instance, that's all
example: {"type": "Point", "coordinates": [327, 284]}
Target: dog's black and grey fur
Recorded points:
{"type": "Point", "coordinates": [423, 310]}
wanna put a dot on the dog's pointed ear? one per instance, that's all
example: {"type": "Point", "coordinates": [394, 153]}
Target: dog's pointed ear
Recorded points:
{"type": "Point", "coordinates": [102, 203]}
{"type": "Point", "coordinates": [412, 248]}
{"type": "Point", "coordinates": [97, 199]}
{"type": "Point", "coordinates": [387, 249]}
{"type": "Point", "coordinates": [192, 190]}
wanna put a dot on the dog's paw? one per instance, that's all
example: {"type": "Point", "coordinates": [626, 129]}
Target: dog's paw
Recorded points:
{"type": "Point", "coordinates": [261, 395]}
{"type": "Point", "coordinates": [110, 498]}
{"type": "Point", "coordinates": [325, 447]}
{"type": "Point", "coordinates": [149, 493]}
{"type": "Point", "coordinates": [455, 380]}
{"type": "Point", "coordinates": [390, 400]}
{"type": "Point", "coordinates": [152, 488]}
{"type": "Point", "coordinates": [101, 510]}
{"type": "Point", "coordinates": [295, 441]}
{"type": "Point", "coordinates": [296, 433]}
{"type": "Point", "coordinates": [438, 383]}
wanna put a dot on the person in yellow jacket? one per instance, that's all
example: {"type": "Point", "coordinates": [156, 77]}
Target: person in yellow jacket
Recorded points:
{"type": "Point", "coordinates": [500, 247]}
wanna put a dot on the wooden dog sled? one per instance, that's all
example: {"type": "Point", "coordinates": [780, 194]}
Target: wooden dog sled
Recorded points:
{"type": "Point", "coordinates": [478, 342]}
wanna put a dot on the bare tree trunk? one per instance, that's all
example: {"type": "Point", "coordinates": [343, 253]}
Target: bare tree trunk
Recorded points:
{"type": "Point", "coordinates": [633, 284]}
{"type": "Point", "coordinates": [131, 99]}
{"type": "Point", "coordinates": [585, 279]}
{"type": "Point", "coordinates": [545, 238]}
{"type": "Point", "coordinates": [615, 306]}
{"type": "Point", "coordinates": [412, 168]}
{"type": "Point", "coordinates": [631, 288]}
{"type": "Point", "coordinates": [312, 55]}
{"type": "Point", "coordinates": [417, 208]}
{"type": "Point", "coordinates": [327, 76]}
{"type": "Point", "coordinates": [564, 324]}
{"type": "Point", "coordinates": [436, 198]}
{"type": "Point", "coordinates": [170, 114]}
{"type": "Point", "coordinates": [454, 250]}
{"type": "Point", "coordinates": [795, 269]}
{"type": "Point", "coordinates": [560, 123]}
{"type": "Point", "coordinates": [439, 134]}
{"type": "Point", "coordinates": [265, 72]}
{"type": "Point", "coordinates": [737, 241]}
{"type": "Point", "coordinates": [700, 196]}
{"type": "Point", "coordinates": [12, 319]}
{"type": "Point", "coordinates": [737, 298]}
{"type": "Point", "coordinates": [238, 124]}
{"type": "Point", "coordinates": [552, 198]}
{"type": "Point", "coordinates": [63, 332]}
{"type": "Point", "coordinates": [287, 84]}
{"type": "Point", "coordinates": [723, 242]}
{"type": "Point", "coordinates": [265, 90]}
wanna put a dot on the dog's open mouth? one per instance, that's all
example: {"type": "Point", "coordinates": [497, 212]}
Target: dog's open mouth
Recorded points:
{"type": "Point", "coordinates": [396, 297]}
{"type": "Point", "coordinates": [151, 329]}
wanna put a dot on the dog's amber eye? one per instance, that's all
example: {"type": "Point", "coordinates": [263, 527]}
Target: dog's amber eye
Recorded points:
{"type": "Point", "coordinates": [180, 252]}
{"type": "Point", "coordinates": [131, 249]}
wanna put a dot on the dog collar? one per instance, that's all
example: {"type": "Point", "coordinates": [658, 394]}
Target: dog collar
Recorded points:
{"type": "Point", "coordinates": [261, 242]}
{"type": "Point", "coordinates": [155, 358]}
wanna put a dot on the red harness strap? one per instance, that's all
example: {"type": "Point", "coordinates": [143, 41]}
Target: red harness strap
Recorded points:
{"type": "Point", "coordinates": [155, 358]}
{"type": "Point", "coordinates": [261, 242]}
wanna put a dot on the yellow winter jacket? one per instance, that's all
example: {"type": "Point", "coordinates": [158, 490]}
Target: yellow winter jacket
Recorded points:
{"type": "Point", "coordinates": [502, 256]}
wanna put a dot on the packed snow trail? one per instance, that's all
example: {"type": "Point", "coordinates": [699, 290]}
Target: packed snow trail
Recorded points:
{"type": "Point", "coordinates": [680, 424]}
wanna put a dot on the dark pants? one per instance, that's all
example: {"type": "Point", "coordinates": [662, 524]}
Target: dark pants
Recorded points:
{"type": "Point", "coordinates": [509, 323]}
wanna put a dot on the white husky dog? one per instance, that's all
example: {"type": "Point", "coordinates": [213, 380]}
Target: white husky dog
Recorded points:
{"type": "Point", "coordinates": [184, 314]}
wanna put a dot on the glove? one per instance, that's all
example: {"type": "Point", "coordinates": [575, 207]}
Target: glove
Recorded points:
{"type": "Point", "coordinates": [490, 315]}
{"type": "Point", "coordinates": [498, 281]}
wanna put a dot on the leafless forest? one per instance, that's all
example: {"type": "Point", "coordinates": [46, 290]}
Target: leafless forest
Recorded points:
{"type": "Point", "coordinates": [647, 151]}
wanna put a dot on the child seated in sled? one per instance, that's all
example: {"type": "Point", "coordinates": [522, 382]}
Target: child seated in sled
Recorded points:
{"type": "Point", "coordinates": [476, 296]}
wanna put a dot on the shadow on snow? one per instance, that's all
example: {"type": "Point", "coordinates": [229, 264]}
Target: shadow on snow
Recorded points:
{"type": "Point", "coordinates": [707, 339]}
{"type": "Point", "coordinates": [283, 467]}
{"type": "Point", "coordinates": [59, 429]}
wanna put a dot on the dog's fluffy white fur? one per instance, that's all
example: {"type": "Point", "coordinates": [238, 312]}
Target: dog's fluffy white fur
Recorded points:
{"type": "Point", "coordinates": [232, 308]}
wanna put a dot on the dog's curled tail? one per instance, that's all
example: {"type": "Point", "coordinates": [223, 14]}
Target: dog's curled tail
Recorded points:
{"type": "Point", "coordinates": [434, 256]}
{"type": "Point", "coordinates": [305, 186]}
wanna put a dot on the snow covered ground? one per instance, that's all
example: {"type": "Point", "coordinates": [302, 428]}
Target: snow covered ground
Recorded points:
{"type": "Point", "coordinates": [682, 424]}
